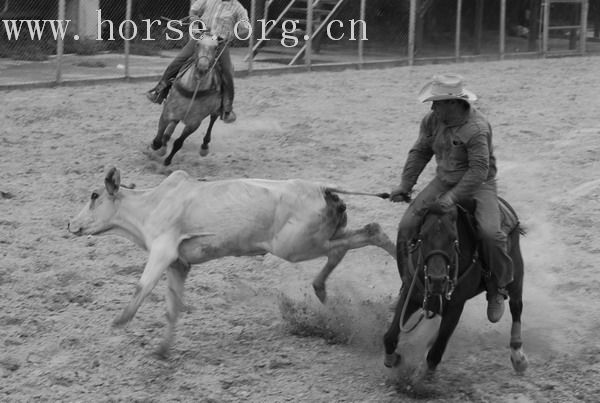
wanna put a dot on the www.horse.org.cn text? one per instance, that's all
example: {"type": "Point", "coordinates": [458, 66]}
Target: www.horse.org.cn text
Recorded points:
{"type": "Point", "coordinates": [175, 30]}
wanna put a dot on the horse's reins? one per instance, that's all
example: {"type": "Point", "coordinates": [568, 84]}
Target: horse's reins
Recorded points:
{"type": "Point", "coordinates": [210, 69]}
{"type": "Point", "coordinates": [410, 291]}
{"type": "Point", "coordinates": [422, 262]}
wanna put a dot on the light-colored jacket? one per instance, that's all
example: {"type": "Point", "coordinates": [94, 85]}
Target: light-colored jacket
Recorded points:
{"type": "Point", "coordinates": [220, 17]}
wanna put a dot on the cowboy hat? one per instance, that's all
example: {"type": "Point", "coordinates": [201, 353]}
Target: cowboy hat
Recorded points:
{"type": "Point", "coordinates": [446, 86]}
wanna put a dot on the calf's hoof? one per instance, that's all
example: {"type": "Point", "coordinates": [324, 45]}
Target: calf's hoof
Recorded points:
{"type": "Point", "coordinates": [320, 292]}
{"type": "Point", "coordinates": [424, 373]}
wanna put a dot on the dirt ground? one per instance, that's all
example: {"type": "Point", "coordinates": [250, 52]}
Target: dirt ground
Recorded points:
{"type": "Point", "coordinates": [253, 330]}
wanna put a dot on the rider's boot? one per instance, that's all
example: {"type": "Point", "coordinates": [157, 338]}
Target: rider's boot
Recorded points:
{"type": "Point", "coordinates": [158, 94]}
{"type": "Point", "coordinates": [495, 308]}
{"type": "Point", "coordinates": [228, 117]}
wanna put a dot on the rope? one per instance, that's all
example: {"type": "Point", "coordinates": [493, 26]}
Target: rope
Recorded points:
{"type": "Point", "coordinates": [404, 306]}
{"type": "Point", "coordinates": [348, 192]}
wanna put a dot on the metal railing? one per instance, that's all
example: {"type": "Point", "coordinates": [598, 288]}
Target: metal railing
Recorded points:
{"type": "Point", "coordinates": [392, 32]}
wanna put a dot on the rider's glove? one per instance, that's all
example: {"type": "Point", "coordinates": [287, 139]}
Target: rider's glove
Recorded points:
{"type": "Point", "coordinates": [400, 194]}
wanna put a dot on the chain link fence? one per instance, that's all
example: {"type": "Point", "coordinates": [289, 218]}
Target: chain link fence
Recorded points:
{"type": "Point", "coordinates": [137, 38]}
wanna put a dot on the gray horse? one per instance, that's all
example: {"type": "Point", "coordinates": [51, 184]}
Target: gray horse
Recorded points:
{"type": "Point", "coordinates": [196, 94]}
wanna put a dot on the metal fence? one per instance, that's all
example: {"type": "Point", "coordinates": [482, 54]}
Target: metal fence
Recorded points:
{"type": "Point", "coordinates": [132, 38]}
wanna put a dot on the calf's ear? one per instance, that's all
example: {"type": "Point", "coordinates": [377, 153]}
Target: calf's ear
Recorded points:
{"type": "Point", "coordinates": [112, 181]}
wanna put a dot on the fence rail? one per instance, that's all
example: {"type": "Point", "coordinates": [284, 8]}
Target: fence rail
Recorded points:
{"type": "Point", "coordinates": [136, 38]}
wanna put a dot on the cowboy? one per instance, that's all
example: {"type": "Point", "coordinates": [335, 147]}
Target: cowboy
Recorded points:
{"type": "Point", "coordinates": [222, 18]}
{"type": "Point", "coordinates": [460, 137]}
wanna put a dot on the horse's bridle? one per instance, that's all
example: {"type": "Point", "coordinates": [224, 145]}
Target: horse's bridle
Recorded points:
{"type": "Point", "coordinates": [451, 278]}
{"type": "Point", "coordinates": [452, 267]}
{"type": "Point", "coordinates": [210, 64]}
{"type": "Point", "coordinates": [416, 247]}
{"type": "Point", "coordinates": [218, 53]}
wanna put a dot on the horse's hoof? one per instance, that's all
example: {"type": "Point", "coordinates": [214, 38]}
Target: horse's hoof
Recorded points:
{"type": "Point", "coordinates": [162, 351]}
{"type": "Point", "coordinates": [203, 152]}
{"type": "Point", "coordinates": [320, 292]}
{"type": "Point", "coordinates": [392, 360]}
{"type": "Point", "coordinates": [161, 151]}
{"type": "Point", "coordinates": [155, 152]}
{"type": "Point", "coordinates": [167, 162]}
{"type": "Point", "coordinates": [519, 361]}
{"type": "Point", "coordinates": [429, 375]}
{"type": "Point", "coordinates": [121, 320]}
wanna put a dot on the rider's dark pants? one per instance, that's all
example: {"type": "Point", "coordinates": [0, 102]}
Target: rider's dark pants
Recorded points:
{"type": "Point", "coordinates": [226, 71]}
{"type": "Point", "coordinates": [487, 216]}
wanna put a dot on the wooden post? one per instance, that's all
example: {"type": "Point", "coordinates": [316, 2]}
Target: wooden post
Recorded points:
{"type": "Point", "coordinates": [572, 21]}
{"type": "Point", "coordinates": [127, 35]}
{"type": "Point", "coordinates": [457, 34]}
{"type": "Point", "coordinates": [361, 59]}
{"type": "Point", "coordinates": [420, 30]}
{"type": "Point", "coordinates": [584, 17]}
{"type": "Point", "coordinates": [252, 36]}
{"type": "Point", "coordinates": [309, 31]}
{"type": "Point", "coordinates": [411, 32]}
{"type": "Point", "coordinates": [545, 29]}
{"type": "Point", "coordinates": [502, 28]}
{"type": "Point", "coordinates": [596, 18]}
{"type": "Point", "coordinates": [533, 43]}
{"type": "Point", "coordinates": [60, 43]}
{"type": "Point", "coordinates": [478, 26]}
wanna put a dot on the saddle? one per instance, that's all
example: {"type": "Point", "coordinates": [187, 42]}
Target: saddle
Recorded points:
{"type": "Point", "coordinates": [213, 84]}
{"type": "Point", "coordinates": [509, 220]}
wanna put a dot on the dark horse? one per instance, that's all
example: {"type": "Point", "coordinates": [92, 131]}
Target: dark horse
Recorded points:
{"type": "Point", "coordinates": [443, 271]}
{"type": "Point", "coordinates": [196, 94]}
